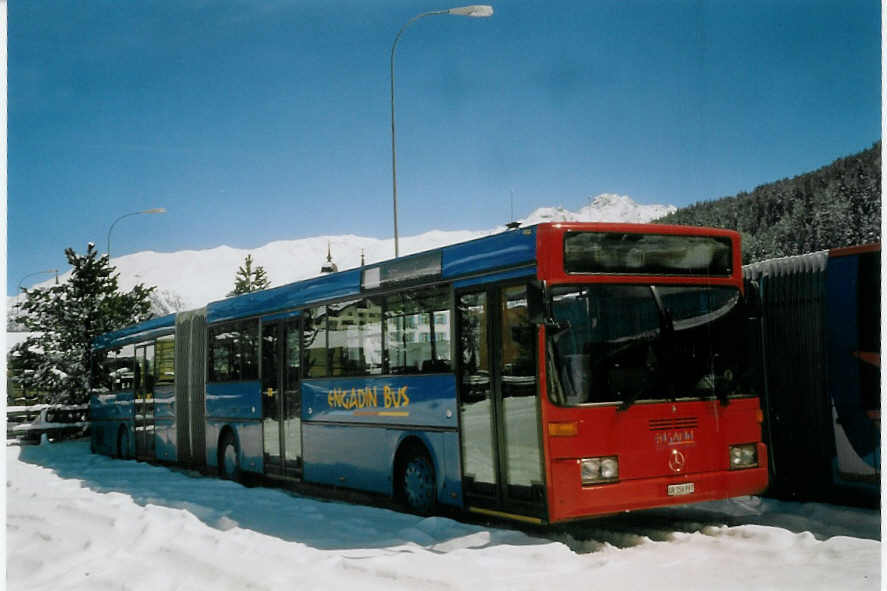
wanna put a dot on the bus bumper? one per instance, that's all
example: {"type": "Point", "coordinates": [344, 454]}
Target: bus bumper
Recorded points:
{"type": "Point", "coordinates": [570, 500]}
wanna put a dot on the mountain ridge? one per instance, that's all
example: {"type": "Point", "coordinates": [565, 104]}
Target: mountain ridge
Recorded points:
{"type": "Point", "coordinates": [192, 278]}
{"type": "Point", "coordinates": [834, 206]}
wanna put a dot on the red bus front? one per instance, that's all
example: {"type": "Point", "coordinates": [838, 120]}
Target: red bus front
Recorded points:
{"type": "Point", "coordinates": [645, 385]}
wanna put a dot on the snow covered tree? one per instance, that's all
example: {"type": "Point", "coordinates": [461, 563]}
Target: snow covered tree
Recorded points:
{"type": "Point", "coordinates": [834, 206]}
{"type": "Point", "coordinates": [66, 319]}
{"type": "Point", "coordinates": [248, 280]}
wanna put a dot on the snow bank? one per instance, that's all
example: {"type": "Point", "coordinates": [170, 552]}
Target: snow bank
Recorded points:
{"type": "Point", "coordinates": [82, 521]}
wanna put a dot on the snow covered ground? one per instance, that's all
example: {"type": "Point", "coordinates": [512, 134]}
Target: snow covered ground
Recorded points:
{"type": "Point", "coordinates": [82, 521]}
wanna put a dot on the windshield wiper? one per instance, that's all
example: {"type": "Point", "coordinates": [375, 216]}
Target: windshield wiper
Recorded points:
{"type": "Point", "coordinates": [664, 365]}
{"type": "Point", "coordinates": [666, 324]}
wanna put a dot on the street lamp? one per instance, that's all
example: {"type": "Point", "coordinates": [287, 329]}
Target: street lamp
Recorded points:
{"type": "Point", "coordinates": [45, 271]}
{"type": "Point", "coordinates": [126, 215]}
{"type": "Point", "coordinates": [474, 11]}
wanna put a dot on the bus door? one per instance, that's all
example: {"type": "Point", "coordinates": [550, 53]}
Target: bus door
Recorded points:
{"type": "Point", "coordinates": [498, 402]}
{"type": "Point", "coordinates": [143, 402]}
{"type": "Point", "coordinates": [282, 398]}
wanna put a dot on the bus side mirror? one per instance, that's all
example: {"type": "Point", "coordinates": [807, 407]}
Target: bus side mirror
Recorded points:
{"type": "Point", "coordinates": [535, 302]}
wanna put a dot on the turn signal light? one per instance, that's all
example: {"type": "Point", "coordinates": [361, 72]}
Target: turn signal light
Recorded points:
{"type": "Point", "coordinates": [563, 429]}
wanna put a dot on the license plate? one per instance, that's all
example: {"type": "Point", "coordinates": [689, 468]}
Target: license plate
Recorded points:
{"type": "Point", "coordinates": [685, 488]}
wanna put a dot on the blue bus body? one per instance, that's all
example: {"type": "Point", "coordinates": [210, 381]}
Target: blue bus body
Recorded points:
{"type": "Point", "coordinates": [108, 414]}
{"type": "Point", "coordinates": [112, 414]}
{"type": "Point", "coordinates": [351, 429]}
{"type": "Point", "coordinates": [365, 420]}
{"type": "Point", "coordinates": [236, 406]}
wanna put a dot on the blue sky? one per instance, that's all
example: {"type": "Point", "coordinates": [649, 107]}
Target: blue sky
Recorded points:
{"type": "Point", "coordinates": [258, 121]}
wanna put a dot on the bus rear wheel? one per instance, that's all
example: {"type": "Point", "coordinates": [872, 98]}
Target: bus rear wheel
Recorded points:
{"type": "Point", "coordinates": [229, 458]}
{"type": "Point", "coordinates": [417, 482]}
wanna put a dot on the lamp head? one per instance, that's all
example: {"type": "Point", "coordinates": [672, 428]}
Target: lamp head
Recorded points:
{"type": "Point", "coordinates": [474, 11]}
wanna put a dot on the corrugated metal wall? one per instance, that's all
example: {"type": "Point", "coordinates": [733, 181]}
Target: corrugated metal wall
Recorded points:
{"type": "Point", "coordinates": [798, 419]}
{"type": "Point", "coordinates": [197, 381]}
{"type": "Point", "coordinates": [191, 387]}
{"type": "Point", "coordinates": [183, 367]}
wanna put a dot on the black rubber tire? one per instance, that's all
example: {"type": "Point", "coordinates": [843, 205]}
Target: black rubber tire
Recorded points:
{"type": "Point", "coordinates": [229, 458]}
{"type": "Point", "coordinates": [417, 488]}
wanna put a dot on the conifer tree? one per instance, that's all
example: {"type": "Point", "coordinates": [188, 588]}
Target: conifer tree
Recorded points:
{"type": "Point", "coordinates": [248, 280]}
{"type": "Point", "coordinates": [834, 206]}
{"type": "Point", "coordinates": [66, 319]}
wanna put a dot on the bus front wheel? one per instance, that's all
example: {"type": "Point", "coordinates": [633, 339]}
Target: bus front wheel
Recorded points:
{"type": "Point", "coordinates": [417, 482]}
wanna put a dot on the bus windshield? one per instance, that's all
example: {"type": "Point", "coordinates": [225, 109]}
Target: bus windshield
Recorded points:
{"type": "Point", "coordinates": [629, 343]}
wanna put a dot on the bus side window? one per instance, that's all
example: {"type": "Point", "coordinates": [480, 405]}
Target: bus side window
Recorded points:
{"type": "Point", "coordinates": [148, 369]}
{"type": "Point", "coordinates": [137, 379]}
{"type": "Point", "coordinates": [314, 338]}
{"type": "Point", "coordinates": [123, 369]}
{"type": "Point", "coordinates": [222, 359]}
{"type": "Point", "coordinates": [165, 360]}
{"type": "Point", "coordinates": [355, 337]}
{"type": "Point", "coordinates": [417, 327]}
{"type": "Point", "coordinates": [249, 349]}
{"type": "Point", "coordinates": [233, 351]}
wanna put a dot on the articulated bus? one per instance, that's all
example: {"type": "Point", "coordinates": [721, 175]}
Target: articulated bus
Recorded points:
{"type": "Point", "coordinates": [543, 374]}
{"type": "Point", "coordinates": [821, 392]}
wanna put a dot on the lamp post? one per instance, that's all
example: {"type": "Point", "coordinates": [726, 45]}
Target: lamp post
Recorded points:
{"type": "Point", "coordinates": [126, 215]}
{"type": "Point", "coordinates": [474, 11]}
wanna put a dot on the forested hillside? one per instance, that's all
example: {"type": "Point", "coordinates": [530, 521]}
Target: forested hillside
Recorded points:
{"type": "Point", "coordinates": [837, 205]}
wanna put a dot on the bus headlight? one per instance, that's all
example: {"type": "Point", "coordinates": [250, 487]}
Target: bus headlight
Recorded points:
{"type": "Point", "coordinates": [743, 456]}
{"type": "Point", "coordinates": [599, 470]}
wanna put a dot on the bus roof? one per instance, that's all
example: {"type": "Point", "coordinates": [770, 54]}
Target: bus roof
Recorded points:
{"type": "Point", "coordinates": [488, 253]}
{"type": "Point", "coordinates": [511, 249]}
{"type": "Point", "coordinates": [137, 332]}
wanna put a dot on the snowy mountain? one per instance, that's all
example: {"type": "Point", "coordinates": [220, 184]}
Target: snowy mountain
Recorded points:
{"type": "Point", "coordinates": [192, 278]}
{"type": "Point", "coordinates": [607, 207]}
